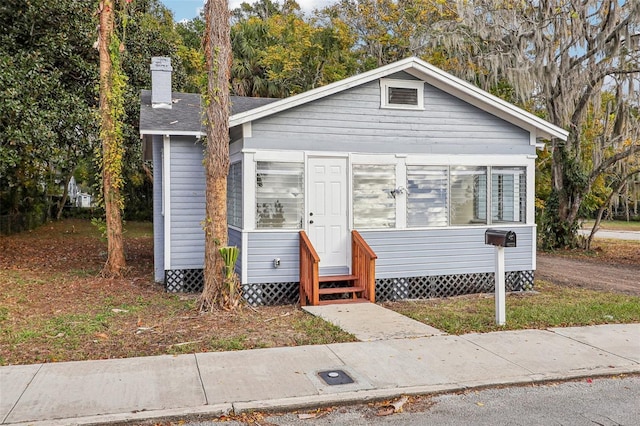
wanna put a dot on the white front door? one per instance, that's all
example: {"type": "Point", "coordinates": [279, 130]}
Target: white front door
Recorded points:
{"type": "Point", "coordinates": [327, 215]}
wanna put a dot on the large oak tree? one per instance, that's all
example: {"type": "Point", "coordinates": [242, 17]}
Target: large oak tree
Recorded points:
{"type": "Point", "coordinates": [564, 55]}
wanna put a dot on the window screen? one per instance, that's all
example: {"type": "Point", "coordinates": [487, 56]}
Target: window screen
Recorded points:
{"type": "Point", "coordinates": [373, 204]}
{"type": "Point", "coordinates": [427, 198]}
{"type": "Point", "coordinates": [468, 195]}
{"type": "Point", "coordinates": [234, 195]}
{"type": "Point", "coordinates": [508, 194]}
{"type": "Point", "coordinates": [279, 195]}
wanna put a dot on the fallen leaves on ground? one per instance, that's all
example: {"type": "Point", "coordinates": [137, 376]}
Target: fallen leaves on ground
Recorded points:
{"type": "Point", "coordinates": [54, 305]}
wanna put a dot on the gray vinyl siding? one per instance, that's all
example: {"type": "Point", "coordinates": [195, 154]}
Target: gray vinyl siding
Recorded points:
{"type": "Point", "coordinates": [413, 253]}
{"type": "Point", "coordinates": [402, 253]}
{"type": "Point", "coordinates": [235, 240]}
{"type": "Point", "coordinates": [264, 247]}
{"type": "Point", "coordinates": [352, 121]}
{"type": "Point", "coordinates": [158, 218]}
{"type": "Point", "coordinates": [187, 203]}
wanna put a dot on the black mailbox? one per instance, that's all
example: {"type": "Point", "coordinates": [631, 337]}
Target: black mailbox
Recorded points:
{"type": "Point", "coordinates": [500, 238]}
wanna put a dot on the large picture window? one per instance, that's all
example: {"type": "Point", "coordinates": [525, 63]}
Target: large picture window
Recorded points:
{"type": "Point", "coordinates": [427, 196]}
{"type": "Point", "coordinates": [468, 195]}
{"type": "Point", "coordinates": [373, 204]}
{"type": "Point", "coordinates": [279, 195]}
{"type": "Point", "coordinates": [234, 195]}
{"type": "Point", "coordinates": [508, 194]}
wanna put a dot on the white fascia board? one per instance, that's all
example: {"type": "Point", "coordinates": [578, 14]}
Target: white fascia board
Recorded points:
{"type": "Point", "coordinates": [484, 100]}
{"type": "Point", "coordinates": [172, 133]}
{"type": "Point", "coordinates": [428, 73]}
{"type": "Point", "coordinates": [320, 92]}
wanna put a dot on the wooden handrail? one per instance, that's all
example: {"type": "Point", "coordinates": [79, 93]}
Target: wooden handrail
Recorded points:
{"type": "Point", "coordinates": [363, 265]}
{"type": "Point", "coordinates": [309, 276]}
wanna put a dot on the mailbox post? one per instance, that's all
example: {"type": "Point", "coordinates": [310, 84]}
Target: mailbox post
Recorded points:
{"type": "Point", "coordinates": [500, 239]}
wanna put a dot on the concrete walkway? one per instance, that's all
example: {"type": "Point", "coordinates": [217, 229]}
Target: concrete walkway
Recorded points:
{"type": "Point", "coordinates": [287, 378]}
{"type": "Point", "coordinates": [369, 322]}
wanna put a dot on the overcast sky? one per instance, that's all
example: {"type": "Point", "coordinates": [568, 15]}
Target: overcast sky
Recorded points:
{"type": "Point", "coordinates": [189, 9]}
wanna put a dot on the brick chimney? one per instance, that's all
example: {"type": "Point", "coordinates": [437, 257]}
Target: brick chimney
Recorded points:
{"type": "Point", "coordinates": [161, 82]}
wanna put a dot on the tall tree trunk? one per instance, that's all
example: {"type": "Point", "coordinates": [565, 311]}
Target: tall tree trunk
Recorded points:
{"type": "Point", "coordinates": [217, 44]}
{"type": "Point", "coordinates": [116, 263]}
{"type": "Point", "coordinates": [569, 185]}
{"type": "Point", "coordinates": [65, 195]}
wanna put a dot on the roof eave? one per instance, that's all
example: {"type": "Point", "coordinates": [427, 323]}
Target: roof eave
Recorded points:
{"type": "Point", "coordinates": [318, 93]}
{"type": "Point", "coordinates": [144, 132]}
{"type": "Point", "coordinates": [467, 91]}
{"type": "Point", "coordinates": [430, 74]}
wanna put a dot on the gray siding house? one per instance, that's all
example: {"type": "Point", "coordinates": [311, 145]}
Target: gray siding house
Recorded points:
{"type": "Point", "coordinates": [419, 162]}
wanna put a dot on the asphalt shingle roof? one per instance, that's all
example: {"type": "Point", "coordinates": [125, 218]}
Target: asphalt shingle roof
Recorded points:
{"type": "Point", "coordinates": [186, 113]}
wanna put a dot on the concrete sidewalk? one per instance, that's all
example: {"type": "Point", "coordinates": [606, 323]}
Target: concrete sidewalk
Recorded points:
{"type": "Point", "coordinates": [287, 378]}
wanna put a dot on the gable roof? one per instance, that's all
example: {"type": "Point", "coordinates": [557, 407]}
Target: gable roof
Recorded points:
{"type": "Point", "coordinates": [186, 115]}
{"type": "Point", "coordinates": [428, 73]}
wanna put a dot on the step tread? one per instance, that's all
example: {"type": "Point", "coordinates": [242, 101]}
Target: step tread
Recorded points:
{"type": "Point", "coordinates": [343, 301]}
{"type": "Point", "coordinates": [338, 290]}
{"type": "Point", "coordinates": [332, 278]}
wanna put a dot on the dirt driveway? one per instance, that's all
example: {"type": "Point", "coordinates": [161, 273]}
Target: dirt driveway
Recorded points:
{"type": "Point", "coordinates": [583, 273]}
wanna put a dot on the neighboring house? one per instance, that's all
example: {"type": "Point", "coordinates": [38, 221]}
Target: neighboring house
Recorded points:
{"type": "Point", "coordinates": [76, 197]}
{"type": "Point", "coordinates": [419, 162]}
{"type": "Point", "coordinates": [83, 200]}
{"type": "Point", "coordinates": [72, 191]}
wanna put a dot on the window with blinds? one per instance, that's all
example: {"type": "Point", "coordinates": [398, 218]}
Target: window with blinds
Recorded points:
{"type": "Point", "coordinates": [427, 196]}
{"type": "Point", "coordinates": [373, 204]}
{"type": "Point", "coordinates": [234, 195]}
{"type": "Point", "coordinates": [279, 195]}
{"type": "Point", "coordinates": [468, 195]}
{"type": "Point", "coordinates": [508, 194]}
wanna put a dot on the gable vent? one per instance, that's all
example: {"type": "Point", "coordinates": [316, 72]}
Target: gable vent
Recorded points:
{"type": "Point", "coordinates": [403, 96]}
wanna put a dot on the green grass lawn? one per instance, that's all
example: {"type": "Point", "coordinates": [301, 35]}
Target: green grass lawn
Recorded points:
{"type": "Point", "coordinates": [549, 306]}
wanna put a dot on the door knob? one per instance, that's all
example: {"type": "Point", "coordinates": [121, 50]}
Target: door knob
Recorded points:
{"type": "Point", "coordinates": [311, 222]}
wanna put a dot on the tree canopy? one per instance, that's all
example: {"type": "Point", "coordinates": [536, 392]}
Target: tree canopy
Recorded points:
{"type": "Point", "coordinates": [573, 62]}
{"type": "Point", "coordinates": [49, 99]}
{"type": "Point", "coordinates": [579, 61]}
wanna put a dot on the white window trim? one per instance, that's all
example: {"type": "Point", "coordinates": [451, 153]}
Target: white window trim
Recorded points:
{"type": "Point", "coordinates": [233, 161]}
{"type": "Point", "coordinates": [385, 83]}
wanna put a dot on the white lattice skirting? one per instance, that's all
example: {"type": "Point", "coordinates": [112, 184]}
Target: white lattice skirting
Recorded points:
{"type": "Point", "coordinates": [387, 289]}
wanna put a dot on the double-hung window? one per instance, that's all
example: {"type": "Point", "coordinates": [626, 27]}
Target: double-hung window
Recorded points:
{"type": "Point", "coordinates": [234, 195]}
{"type": "Point", "coordinates": [374, 206]}
{"type": "Point", "coordinates": [279, 195]}
{"type": "Point", "coordinates": [468, 195]}
{"type": "Point", "coordinates": [508, 194]}
{"type": "Point", "coordinates": [427, 196]}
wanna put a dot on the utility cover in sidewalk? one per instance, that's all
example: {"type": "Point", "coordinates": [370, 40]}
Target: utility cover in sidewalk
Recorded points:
{"type": "Point", "coordinates": [335, 377]}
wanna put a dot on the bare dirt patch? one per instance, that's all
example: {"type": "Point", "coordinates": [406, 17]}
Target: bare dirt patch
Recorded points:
{"type": "Point", "coordinates": [612, 266]}
{"type": "Point", "coordinates": [54, 306]}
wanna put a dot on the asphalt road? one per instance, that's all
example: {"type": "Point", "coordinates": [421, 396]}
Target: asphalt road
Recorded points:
{"type": "Point", "coordinates": [614, 235]}
{"type": "Point", "coordinates": [601, 401]}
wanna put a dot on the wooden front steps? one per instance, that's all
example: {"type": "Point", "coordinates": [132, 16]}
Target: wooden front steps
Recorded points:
{"type": "Point", "coordinates": [354, 290]}
{"type": "Point", "coordinates": [360, 285]}
{"type": "Point", "coordinates": [332, 278]}
{"type": "Point", "coordinates": [343, 301]}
